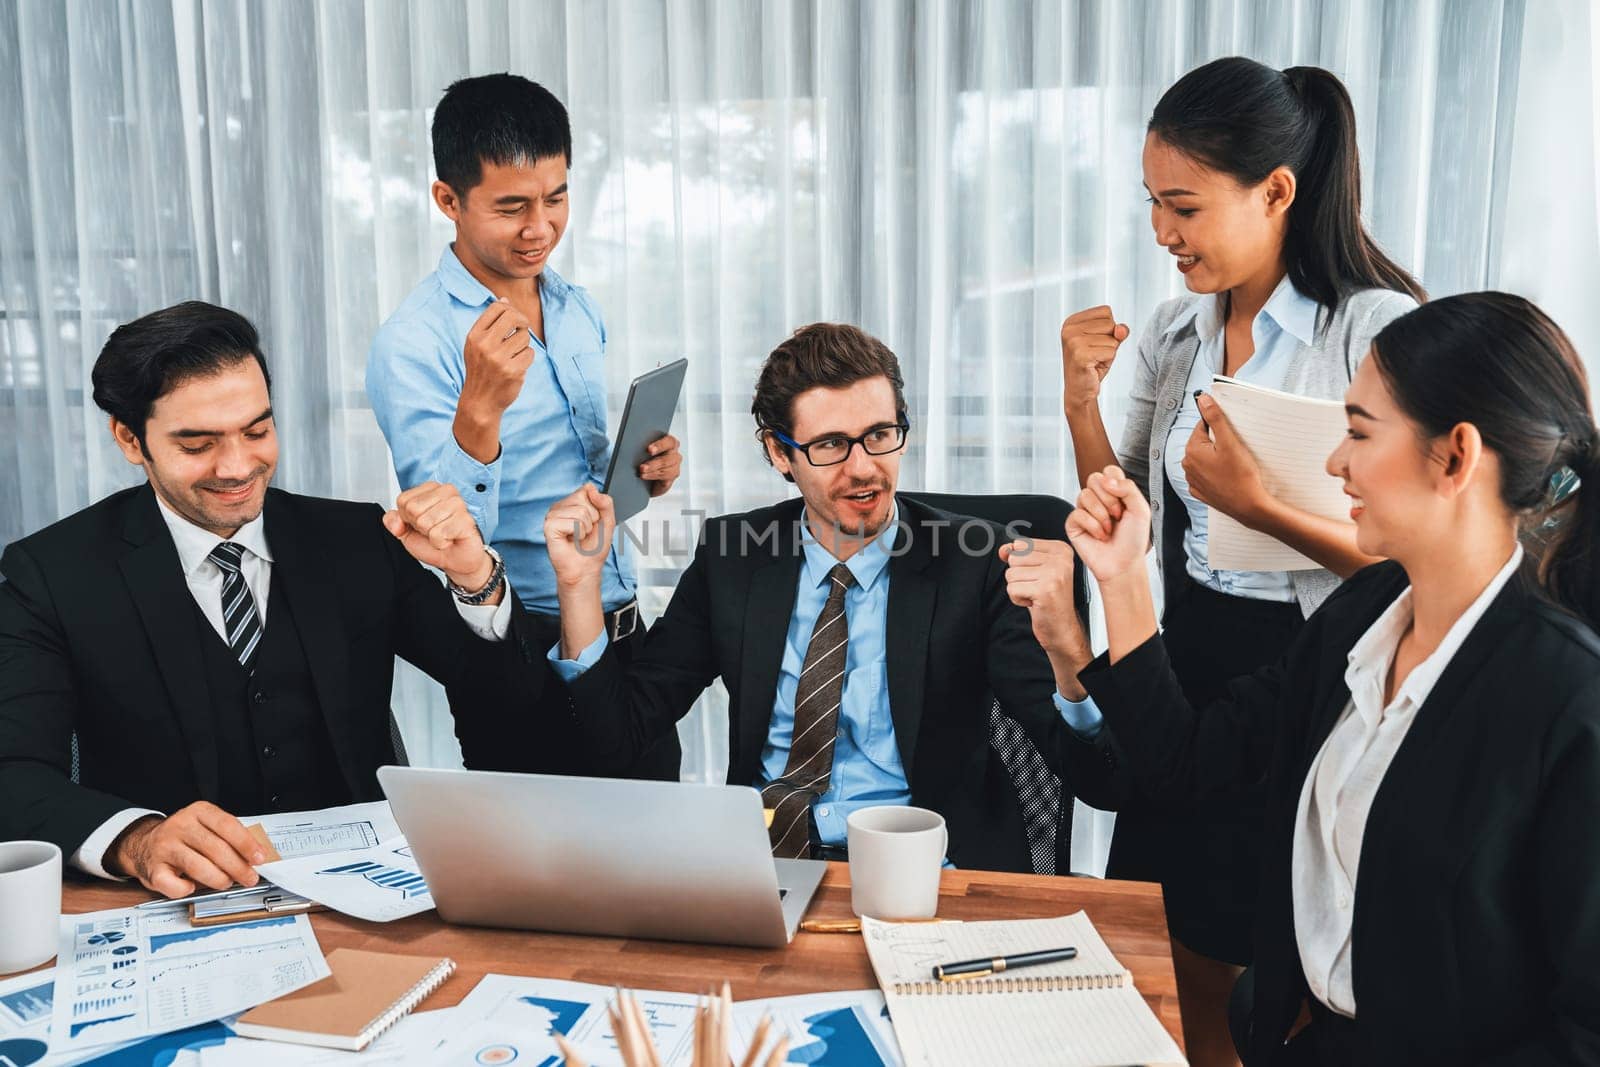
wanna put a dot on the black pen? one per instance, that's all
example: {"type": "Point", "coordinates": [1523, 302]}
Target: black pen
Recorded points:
{"type": "Point", "coordinates": [1197, 393]}
{"type": "Point", "coordinates": [952, 972]}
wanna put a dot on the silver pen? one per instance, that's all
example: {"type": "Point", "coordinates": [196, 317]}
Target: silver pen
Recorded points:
{"type": "Point", "coordinates": [222, 894]}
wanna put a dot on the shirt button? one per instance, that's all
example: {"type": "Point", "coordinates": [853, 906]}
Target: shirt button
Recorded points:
{"type": "Point", "coordinates": [259, 698]}
{"type": "Point", "coordinates": [1343, 901]}
{"type": "Point", "coordinates": [268, 751]}
{"type": "Point", "coordinates": [1171, 404]}
{"type": "Point", "coordinates": [823, 812]}
{"type": "Point", "coordinates": [1156, 455]}
{"type": "Point", "coordinates": [480, 487]}
{"type": "Point", "coordinates": [274, 799]}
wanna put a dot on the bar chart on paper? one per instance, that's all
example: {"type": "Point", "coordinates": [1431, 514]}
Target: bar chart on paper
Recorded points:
{"type": "Point", "coordinates": [379, 883]}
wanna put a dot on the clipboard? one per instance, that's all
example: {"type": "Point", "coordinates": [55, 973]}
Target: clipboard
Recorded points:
{"type": "Point", "coordinates": [262, 902]}
{"type": "Point", "coordinates": [652, 400]}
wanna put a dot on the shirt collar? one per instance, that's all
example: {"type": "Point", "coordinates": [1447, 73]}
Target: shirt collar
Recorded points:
{"type": "Point", "coordinates": [460, 284]}
{"type": "Point", "coordinates": [1370, 657]}
{"type": "Point", "coordinates": [194, 544]}
{"type": "Point", "coordinates": [1291, 310]}
{"type": "Point", "coordinates": [866, 565]}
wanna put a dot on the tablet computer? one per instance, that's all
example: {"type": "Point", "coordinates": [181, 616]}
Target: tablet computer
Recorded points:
{"type": "Point", "coordinates": [652, 399]}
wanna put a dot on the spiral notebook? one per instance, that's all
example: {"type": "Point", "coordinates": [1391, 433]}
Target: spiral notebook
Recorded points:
{"type": "Point", "coordinates": [367, 993]}
{"type": "Point", "coordinates": [1083, 1012]}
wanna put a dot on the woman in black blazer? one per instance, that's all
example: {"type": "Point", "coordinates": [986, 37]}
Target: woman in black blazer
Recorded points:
{"type": "Point", "coordinates": [1431, 740]}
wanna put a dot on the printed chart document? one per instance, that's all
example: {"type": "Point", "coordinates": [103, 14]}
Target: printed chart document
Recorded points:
{"type": "Point", "coordinates": [507, 1019]}
{"type": "Point", "coordinates": [25, 1023]}
{"type": "Point", "coordinates": [379, 883]}
{"type": "Point", "coordinates": [341, 829]}
{"type": "Point", "coordinates": [127, 974]}
{"type": "Point", "coordinates": [412, 1039]}
{"type": "Point", "coordinates": [1290, 437]}
{"type": "Point", "coordinates": [1083, 1012]}
{"type": "Point", "coordinates": [824, 1028]}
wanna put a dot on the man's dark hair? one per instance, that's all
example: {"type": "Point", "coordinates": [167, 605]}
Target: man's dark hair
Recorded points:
{"type": "Point", "coordinates": [832, 355]}
{"type": "Point", "coordinates": [500, 119]}
{"type": "Point", "coordinates": [147, 358]}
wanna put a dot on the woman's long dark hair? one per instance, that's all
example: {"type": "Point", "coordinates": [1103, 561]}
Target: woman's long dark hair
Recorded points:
{"type": "Point", "coordinates": [1244, 119]}
{"type": "Point", "coordinates": [1496, 361]}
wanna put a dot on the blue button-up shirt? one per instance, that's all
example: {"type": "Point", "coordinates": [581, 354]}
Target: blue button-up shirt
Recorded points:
{"type": "Point", "coordinates": [553, 436]}
{"type": "Point", "coordinates": [1286, 321]}
{"type": "Point", "coordinates": [866, 757]}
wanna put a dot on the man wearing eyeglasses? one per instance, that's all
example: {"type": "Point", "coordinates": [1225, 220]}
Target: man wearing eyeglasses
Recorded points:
{"type": "Point", "coordinates": [863, 637]}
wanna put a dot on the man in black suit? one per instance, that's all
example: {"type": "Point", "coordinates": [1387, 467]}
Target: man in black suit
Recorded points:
{"type": "Point", "coordinates": [863, 637]}
{"type": "Point", "coordinates": [205, 645]}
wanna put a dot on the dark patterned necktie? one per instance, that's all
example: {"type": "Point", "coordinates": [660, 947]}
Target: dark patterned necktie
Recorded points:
{"type": "Point", "coordinates": [239, 619]}
{"type": "Point", "coordinates": [816, 723]}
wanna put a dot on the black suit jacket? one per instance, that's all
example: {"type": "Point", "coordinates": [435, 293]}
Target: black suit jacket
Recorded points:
{"type": "Point", "coordinates": [955, 642]}
{"type": "Point", "coordinates": [99, 637]}
{"type": "Point", "coordinates": [1476, 934]}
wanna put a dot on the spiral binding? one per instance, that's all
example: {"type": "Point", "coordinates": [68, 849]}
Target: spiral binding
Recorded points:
{"type": "Point", "coordinates": [413, 996]}
{"type": "Point", "coordinates": [1018, 984]}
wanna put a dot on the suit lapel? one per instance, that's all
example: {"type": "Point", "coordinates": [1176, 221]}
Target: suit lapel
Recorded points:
{"type": "Point", "coordinates": [304, 574]}
{"type": "Point", "coordinates": [912, 594]}
{"type": "Point", "coordinates": [1410, 766]}
{"type": "Point", "coordinates": [161, 596]}
{"type": "Point", "coordinates": [767, 611]}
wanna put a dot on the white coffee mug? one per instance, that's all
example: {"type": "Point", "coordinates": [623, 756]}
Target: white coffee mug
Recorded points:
{"type": "Point", "coordinates": [896, 854]}
{"type": "Point", "coordinates": [30, 903]}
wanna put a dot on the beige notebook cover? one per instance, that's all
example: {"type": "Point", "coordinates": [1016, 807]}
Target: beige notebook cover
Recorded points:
{"type": "Point", "coordinates": [368, 993]}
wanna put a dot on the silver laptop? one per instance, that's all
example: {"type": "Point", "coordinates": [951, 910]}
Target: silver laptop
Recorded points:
{"type": "Point", "coordinates": [665, 860]}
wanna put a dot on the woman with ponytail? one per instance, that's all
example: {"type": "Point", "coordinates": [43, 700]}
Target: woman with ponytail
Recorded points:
{"type": "Point", "coordinates": [1255, 187]}
{"type": "Point", "coordinates": [1430, 740]}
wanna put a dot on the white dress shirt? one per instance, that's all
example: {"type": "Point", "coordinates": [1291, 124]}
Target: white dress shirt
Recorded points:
{"type": "Point", "coordinates": [204, 577]}
{"type": "Point", "coordinates": [1344, 778]}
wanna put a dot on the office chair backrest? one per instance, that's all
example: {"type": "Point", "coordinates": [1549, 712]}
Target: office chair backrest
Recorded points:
{"type": "Point", "coordinates": [1046, 808]}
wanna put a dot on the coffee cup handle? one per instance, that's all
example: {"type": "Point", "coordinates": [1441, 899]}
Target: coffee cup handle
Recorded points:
{"type": "Point", "coordinates": [945, 830]}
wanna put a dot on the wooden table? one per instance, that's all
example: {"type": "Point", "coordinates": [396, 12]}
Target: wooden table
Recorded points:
{"type": "Point", "coordinates": [1127, 914]}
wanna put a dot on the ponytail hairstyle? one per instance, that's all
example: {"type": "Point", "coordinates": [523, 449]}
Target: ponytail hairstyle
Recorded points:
{"type": "Point", "coordinates": [1244, 119]}
{"type": "Point", "coordinates": [1496, 361]}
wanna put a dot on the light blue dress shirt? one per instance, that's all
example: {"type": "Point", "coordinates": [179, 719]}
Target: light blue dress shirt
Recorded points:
{"type": "Point", "coordinates": [553, 436]}
{"type": "Point", "coordinates": [867, 768]}
{"type": "Point", "coordinates": [1286, 321]}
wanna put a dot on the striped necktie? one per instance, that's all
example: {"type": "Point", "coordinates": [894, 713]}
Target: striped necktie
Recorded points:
{"type": "Point", "coordinates": [239, 618]}
{"type": "Point", "coordinates": [816, 724]}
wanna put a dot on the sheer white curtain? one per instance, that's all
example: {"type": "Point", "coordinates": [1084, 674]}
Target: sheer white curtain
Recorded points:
{"type": "Point", "coordinates": [952, 175]}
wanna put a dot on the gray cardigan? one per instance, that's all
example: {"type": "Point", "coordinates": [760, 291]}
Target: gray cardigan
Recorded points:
{"type": "Point", "coordinates": [1322, 369]}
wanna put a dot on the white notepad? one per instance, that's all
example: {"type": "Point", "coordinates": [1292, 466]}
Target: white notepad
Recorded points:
{"type": "Point", "coordinates": [1290, 437]}
{"type": "Point", "coordinates": [1083, 1012]}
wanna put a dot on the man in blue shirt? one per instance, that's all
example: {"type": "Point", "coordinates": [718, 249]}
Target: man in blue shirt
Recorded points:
{"type": "Point", "coordinates": [490, 375]}
{"type": "Point", "coordinates": [864, 637]}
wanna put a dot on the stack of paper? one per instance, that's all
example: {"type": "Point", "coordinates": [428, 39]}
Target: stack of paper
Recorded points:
{"type": "Point", "coordinates": [506, 1019]}
{"type": "Point", "coordinates": [1291, 438]}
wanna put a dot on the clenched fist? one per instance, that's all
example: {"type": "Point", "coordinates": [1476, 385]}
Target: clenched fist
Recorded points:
{"type": "Point", "coordinates": [497, 354]}
{"type": "Point", "coordinates": [577, 534]}
{"type": "Point", "coordinates": [433, 523]}
{"type": "Point", "coordinates": [1089, 342]}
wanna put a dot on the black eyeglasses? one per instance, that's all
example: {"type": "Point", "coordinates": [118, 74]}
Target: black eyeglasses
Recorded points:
{"type": "Point", "coordinates": [835, 449]}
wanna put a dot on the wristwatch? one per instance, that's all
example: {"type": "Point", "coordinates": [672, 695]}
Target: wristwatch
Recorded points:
{"type": "Point", "coordinates": [497, 578]}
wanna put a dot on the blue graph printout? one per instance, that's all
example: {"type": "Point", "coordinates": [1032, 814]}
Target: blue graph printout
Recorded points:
{"type": "Point", "coordinates": [131, 974]}
{"type": "Point", "coordinates": [508, 1020]}
{"type": "Point", "coordinates": [380, 884]}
